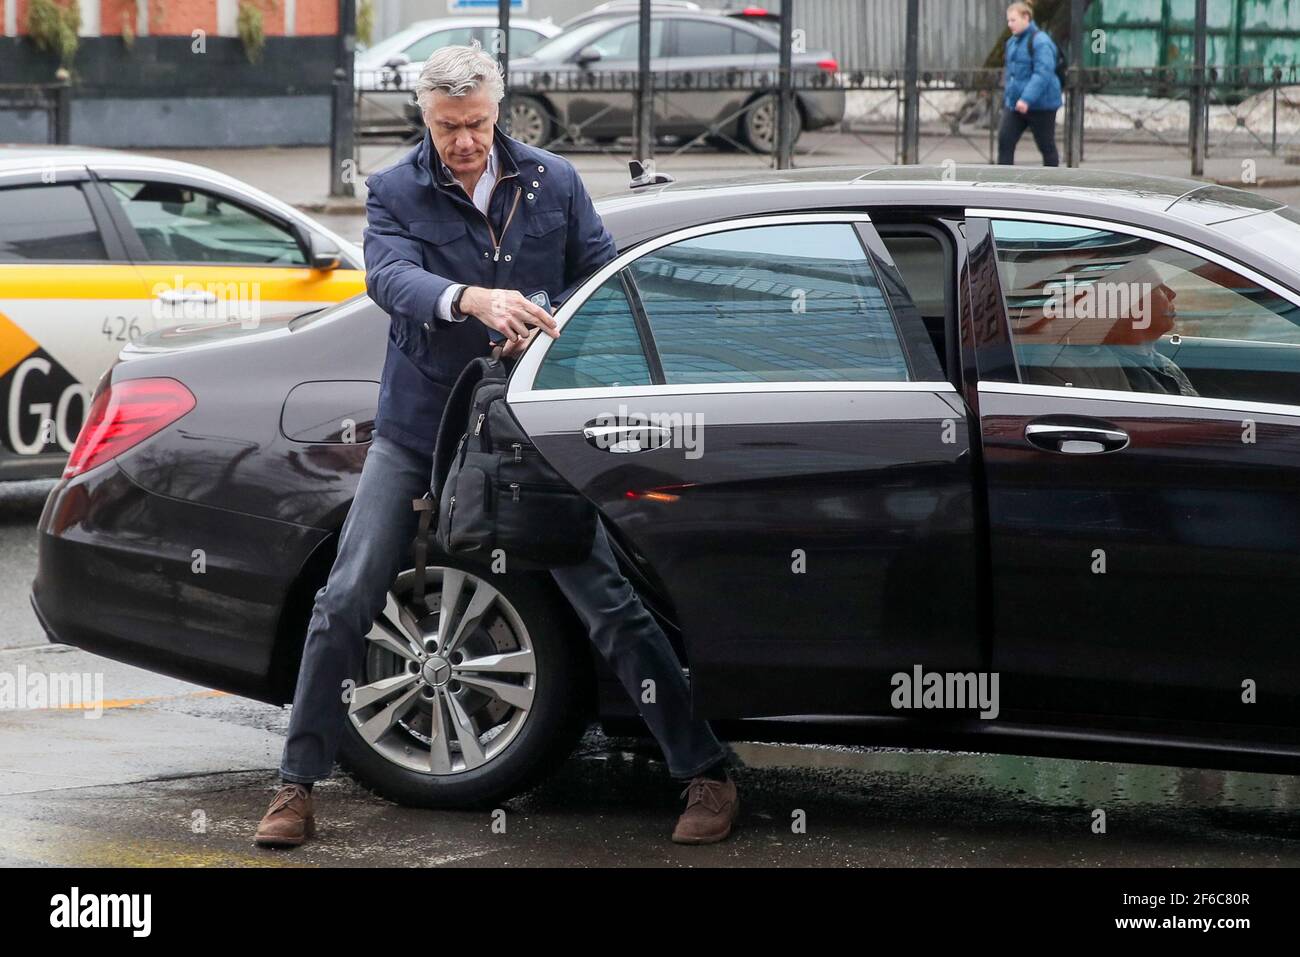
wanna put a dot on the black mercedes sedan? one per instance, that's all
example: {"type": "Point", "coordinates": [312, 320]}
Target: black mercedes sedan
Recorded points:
{"type": "Point", "coordinates": [984, 458]}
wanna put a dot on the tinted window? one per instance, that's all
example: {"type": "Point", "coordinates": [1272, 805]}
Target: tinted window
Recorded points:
{"type": "Point", "coordinates": [180, 224]}
{"type": "Point", "coordinates": [697, 38]}
{"type": "Point", "coordinates": [44, 223]}
{"type": "Point", "coordinates": [769, 304]}
{"type": "Point", "coordinates": [742, 41]}
{"type": "Point", "coordinates": [420, 50]}
{"type": "Point", "coordinates": [621, 44]}
{"type": "Point", "coordinates": [599, 346]}
{"type": "Point", "coordinates": [1099, 309]}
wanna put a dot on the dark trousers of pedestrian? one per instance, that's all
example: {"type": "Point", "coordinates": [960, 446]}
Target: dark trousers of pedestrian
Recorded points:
{"type": "Point", "coordinates": [1042, 123]}
{"type": "Point", "coordinates": [373, 548]}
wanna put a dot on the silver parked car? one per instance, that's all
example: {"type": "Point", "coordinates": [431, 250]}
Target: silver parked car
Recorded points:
{"type": "Point", "coordinates": [580, 85]}
{"type": "Point", "coordinates": [385, 73]}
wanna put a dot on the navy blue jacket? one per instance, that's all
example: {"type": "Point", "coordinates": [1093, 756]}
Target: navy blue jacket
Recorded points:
{"type": "Point", "coordinates": [1033, 80]}
{"type": "Point", "coordinates": [423, 234]}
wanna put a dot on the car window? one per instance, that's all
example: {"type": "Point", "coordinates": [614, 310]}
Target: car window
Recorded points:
{"type": "Point", "coordinates": [524, 42]}
{"type": "Point", "coordinates": [1100, 309]}
{"type": "Point", "coordinates": [47, 223]}
{"type": "Point", "coordinates": [621, 43]}
{"type": "Point", "coordinates": [621, 39]}
{"type": "Point", "coordinates": [181, 224]}
{"type": "Point", "coordinates": [744, 42]}
{"type": "Point", "coordinates": [599, 345]}
{"type": "Point", "coordinates": [420, 50]}
{"type": "Point", "coordinates": [769, 304]}
{"type": "Point", "coordinates": [699, 38]}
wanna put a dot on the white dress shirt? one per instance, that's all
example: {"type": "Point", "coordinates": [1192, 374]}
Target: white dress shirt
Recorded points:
{"type": "Point", "coordinates": [482, 190]}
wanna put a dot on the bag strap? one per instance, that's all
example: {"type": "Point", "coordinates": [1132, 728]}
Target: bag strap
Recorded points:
{"type": "Point", "coordinates": [452, 425]}
{"type": "Point", "coordinates": [424, 506]}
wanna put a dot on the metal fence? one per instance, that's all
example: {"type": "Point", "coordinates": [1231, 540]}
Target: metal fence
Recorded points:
{"type": "Point", "coordinates": [907, 115]}
{"type": "Point", "coordinates": [51, 99]}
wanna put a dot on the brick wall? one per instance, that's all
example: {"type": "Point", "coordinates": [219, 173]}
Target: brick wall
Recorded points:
{"type": "Point", "coordinates": [181, 17]}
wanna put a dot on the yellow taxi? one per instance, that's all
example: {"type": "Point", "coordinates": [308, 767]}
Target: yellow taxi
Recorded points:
{"type": "Point", "coordinates": [99, 247]}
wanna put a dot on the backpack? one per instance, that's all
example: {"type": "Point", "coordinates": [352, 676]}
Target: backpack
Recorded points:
{"type": "Point", "coordinates": [492, 489]}
{"type": "Point", "coordinates": [1062, 64]}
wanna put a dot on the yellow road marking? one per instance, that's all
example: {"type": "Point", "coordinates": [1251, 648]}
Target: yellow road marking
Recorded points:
{"type": "Point", "coordinates": [132, 702]}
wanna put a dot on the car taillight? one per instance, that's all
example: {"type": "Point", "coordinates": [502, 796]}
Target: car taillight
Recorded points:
{"type": "Point", "coordinates": [830, 65]}
{"type": "Point", "coordinates": [124, 415]}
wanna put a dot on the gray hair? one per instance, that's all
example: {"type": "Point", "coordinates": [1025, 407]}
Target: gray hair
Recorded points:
{"type": "Point", "coordinates": [458, 70]}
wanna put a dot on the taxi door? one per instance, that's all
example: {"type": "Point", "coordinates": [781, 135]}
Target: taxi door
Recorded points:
{"type": "Point", "coordinates": [205, 255]}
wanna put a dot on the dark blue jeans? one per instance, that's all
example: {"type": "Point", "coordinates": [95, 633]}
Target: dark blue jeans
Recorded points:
{"type": "Point", "coordinates": [373, 547]}
{"type": "Point", "coordinates": [1042, 123]}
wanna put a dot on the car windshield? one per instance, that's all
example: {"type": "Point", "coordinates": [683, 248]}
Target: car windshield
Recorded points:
{"type": "Point", "coordinates": [1275, 234]}
{"type": "Point", "coordinates": [382, 51]}
{"type": "Point", "coordinates": [571, 41]}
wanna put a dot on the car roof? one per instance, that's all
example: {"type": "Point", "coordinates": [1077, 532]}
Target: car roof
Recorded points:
{"type": "Point", "coordinates": [1037, 188]}
{"type": "Point", "coordinates": [15, 157]}
{"type": "Point", "coordinates": [474, 20]}
{"type": "Point", "coordinates": [1190, 208]}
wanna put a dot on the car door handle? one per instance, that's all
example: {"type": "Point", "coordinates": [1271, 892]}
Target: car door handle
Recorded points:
{"type": "Point", "coordinates": [626, 438]}
{"type": "Point", "coordinates": [179, 295]}
{"type": "Point", "coordinates": [1076, 439]}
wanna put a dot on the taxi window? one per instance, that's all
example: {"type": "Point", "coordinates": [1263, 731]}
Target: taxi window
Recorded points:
{"type": "Point", "coordinates": [179, 224]}
{"type": "Point", "coordinates": [48, 223]}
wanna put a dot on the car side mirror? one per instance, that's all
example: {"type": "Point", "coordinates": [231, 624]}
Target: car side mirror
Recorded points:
{"type": "Point", "coordinates": [587, 55]}
{"type": "Point", "coordinates": [324, 254]}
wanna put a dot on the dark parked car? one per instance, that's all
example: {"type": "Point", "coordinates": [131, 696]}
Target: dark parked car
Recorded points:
{"type": "Point", "coordinates": [579, 85]}
{"type": "Point", "coordinates": [842, 425]}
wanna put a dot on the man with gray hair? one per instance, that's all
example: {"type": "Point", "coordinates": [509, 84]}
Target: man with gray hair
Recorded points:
{"type": "Point", "coordinates": [461, 232]}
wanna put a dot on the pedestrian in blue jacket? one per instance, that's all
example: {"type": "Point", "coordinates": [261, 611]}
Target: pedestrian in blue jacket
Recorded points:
{"type": "Point", "coordinates": [1032, 89]}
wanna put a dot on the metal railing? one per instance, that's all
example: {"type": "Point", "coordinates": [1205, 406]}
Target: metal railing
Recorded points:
{"type": "Point", "coordinates": [52, 99]}
{"type": "Point", "coordinates": [906, 115]}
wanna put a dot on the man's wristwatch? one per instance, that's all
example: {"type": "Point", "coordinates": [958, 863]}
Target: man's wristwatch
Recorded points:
{"type": "Point", "coordinates": [455, 303]}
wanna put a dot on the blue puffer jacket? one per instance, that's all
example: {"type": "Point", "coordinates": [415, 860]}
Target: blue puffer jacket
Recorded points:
{"type": "Point", "coordinates": [1034, 82]}
{"type": "Point", "coordinates": [423, 234]}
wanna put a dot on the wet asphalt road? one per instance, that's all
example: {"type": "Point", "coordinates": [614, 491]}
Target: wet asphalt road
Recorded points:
{"type": "Point", "coordinates": [173, 774]}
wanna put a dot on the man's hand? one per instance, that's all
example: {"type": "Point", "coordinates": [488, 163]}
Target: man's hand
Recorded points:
{"type": "Point", "coordinates": [1022, 106]}
{"type": "Point", "coordinates": [506, 311]}
{"type": "Point", "coordinates": [510, 349]}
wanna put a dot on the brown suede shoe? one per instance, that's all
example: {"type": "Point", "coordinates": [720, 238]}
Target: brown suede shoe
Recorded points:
{"type": "Point", "coordinates": [710, 811]}
{"type": "Point", "coordinates": [289, 820]}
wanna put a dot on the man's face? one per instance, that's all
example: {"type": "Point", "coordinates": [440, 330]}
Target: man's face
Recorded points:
{"type": "Point", "coordinates": [461, 129]}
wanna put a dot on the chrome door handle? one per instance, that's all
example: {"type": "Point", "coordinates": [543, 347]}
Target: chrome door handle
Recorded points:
{"type": "Point", "coordinates": [1076, 439]}
{"type": "Point", "coordinates": [177, 295]}
{"type": "Point", "coordinates": [626, 438]}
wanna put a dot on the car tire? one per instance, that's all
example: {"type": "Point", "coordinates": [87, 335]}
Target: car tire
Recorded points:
{"type": "Point", "coordinates": [530, 121]}
{"type": "Point", "coordinates": [758, 124]}
{"type": "Point", "coordinates": [398, 766]}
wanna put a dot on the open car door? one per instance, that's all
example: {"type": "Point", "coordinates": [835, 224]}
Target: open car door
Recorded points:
{"type": "Point", "coordinates": [756, 408]}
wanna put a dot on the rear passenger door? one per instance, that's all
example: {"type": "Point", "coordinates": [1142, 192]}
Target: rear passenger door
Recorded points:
{"type": "Point", "coordinates": [1140, 411]}
{"type": "Point", "coordinates": [756, 410]}
{"type": "Point", "coordinates": [69, 300]}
